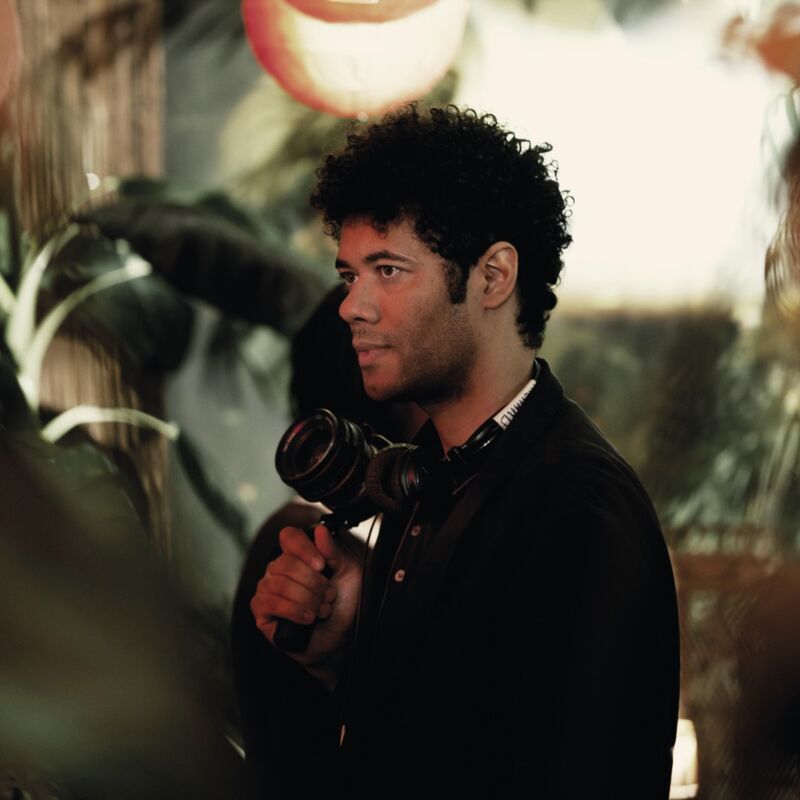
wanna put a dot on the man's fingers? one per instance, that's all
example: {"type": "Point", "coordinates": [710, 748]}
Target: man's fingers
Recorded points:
{"type": "Point", "coordinates": [295, 542]}
{"type": "Point", "coordinates": [293, 587]}
{"type": "Point", "coordinates": [326, 545]}
{"type": "Point", "coordinates": [283, 586]}
{"type": "Point", "coordinates": [268, 608]}
{"type": "Point", "coordinates": [296, 569]}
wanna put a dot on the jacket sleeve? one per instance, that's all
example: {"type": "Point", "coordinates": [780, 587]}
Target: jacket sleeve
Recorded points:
{"type": "Point", "coordinates": [603, 613]}
{"type": "Point", "coordinates": [289, 721]}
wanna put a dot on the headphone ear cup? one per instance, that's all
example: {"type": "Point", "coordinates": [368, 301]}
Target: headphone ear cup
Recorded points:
{"type": "Point", "coordinates": [382, 481]}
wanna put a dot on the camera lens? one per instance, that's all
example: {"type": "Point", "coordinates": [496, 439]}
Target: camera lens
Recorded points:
{"type": "Point", "coordinates": [310, 448]}
{"type": "Point", "coordinates": [324, 458]}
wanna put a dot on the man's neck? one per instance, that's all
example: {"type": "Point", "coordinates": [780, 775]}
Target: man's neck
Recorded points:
{"type": "Point", "coordinates": [457, 419]}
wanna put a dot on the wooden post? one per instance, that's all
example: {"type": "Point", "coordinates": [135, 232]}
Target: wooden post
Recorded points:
{"type": "Point", "coordinates": [90, 105]}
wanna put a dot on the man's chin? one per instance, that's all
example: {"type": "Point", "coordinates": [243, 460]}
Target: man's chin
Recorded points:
{"type": "Point", "coordinates": [382, 392]}
{"type": "Point", "coordinates": [409, 392]}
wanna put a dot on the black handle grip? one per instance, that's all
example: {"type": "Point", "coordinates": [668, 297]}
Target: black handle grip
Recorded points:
{"type": "Point", "coordinates": [291, 636]}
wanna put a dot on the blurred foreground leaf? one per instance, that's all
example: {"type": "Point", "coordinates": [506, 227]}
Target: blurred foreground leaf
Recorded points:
{"type": "Point", "coordinates": [96, 683]}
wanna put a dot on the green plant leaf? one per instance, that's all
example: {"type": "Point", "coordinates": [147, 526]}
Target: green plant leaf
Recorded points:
{"type": "Point", "coordinates": [14, 412]}
{"type": "Point", "coordinates": [81, 415]}
{"type": "Point", "coordinates": [147, 318]}
{"type": "Point", "coordinates": [212, 485]}
{"type": "Point", "coordinates": [30, 364]}
{"type": "Point", "coordinates": [216, 202]}
{"type": "Point", "coordinates": [21, 323]}
{"type": "Point", "coordinates": [6, 258]}
{"type": "Point", "coordinates": [210, 482]}
{"type": "Point", "coordinates": [209, 257]}
{"type": "Point", "coordinates": [7, 299]}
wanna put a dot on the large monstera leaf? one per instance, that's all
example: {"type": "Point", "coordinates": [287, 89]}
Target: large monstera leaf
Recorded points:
{"type": "Point", "coordinates": [149, 321]}
{"type": "Point", "coordinates": [210, 250]}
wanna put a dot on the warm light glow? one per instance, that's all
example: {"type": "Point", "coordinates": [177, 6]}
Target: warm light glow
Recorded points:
{"type": "Point", "coordinates": [684, 762]}
{"type": "Point", "coordinates": [659, 140]}
{"type": "Point", "coordinates": [352, 68]}
{"type": "Point", "coordinates": [10, 47]}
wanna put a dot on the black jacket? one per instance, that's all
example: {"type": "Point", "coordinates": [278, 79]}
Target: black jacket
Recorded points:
{"type": "Point", "coordinates": [539, 656]}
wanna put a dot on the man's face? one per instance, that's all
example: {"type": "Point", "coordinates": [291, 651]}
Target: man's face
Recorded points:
{"type": "Point", "coordinates": [412, 342]}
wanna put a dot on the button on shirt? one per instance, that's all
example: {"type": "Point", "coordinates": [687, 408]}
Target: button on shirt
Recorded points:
{"type": "Point", "coordinates": [429, 515]}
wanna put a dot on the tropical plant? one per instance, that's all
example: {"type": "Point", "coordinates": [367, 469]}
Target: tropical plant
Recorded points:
{"type": "Point", "coordinates": [67, 272]}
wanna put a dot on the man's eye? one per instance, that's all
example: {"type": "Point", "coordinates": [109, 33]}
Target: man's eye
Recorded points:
{"type": "Point", "coordinates": [348, 278]}
{"type": "Point", "coordinates": [387, 270]}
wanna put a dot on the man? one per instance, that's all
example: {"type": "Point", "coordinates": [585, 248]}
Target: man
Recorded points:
{"type": "Point", "coordinates": [518, 629]}
{"type": "Point", "coordinates": [325, 374]}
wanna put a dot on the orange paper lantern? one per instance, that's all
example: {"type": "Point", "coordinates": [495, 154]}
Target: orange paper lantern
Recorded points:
{"type": "Point", "coordinates": [353, 68]}
{"type": "Point", "coordinates": [359, 10]}
{"type": "Point", "coordinates": [10, 47]}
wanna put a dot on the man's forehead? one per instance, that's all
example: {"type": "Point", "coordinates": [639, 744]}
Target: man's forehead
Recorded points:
{"type": "Point", "coordinates": [380, 227]}
{"type": "Point", "coordinates": [362, 239]}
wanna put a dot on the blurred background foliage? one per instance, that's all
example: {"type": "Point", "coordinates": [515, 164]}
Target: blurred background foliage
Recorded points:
{"type": "Point", "coordinates": [704, 409]}
{"type": "Point", "coordinates": [701, 397]}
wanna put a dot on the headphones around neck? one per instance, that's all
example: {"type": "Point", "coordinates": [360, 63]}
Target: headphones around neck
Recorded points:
{"type": "Point", "coordinates": [401, 472]}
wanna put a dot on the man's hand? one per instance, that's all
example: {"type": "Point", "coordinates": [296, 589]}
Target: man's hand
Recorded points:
{"type": "Point", "coordinates": [294, 588]}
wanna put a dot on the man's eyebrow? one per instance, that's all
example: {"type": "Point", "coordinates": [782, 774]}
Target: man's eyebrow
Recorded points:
{"type": "Point", "coordinates": [378, 255]}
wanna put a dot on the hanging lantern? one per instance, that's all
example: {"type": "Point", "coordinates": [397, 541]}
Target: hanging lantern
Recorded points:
{"type": "Point", "coordinates": [359, 10]}
{"type": "Point", "coordinates": [353, 68]}
{"type": "Point", "coordinates": [10, 47]}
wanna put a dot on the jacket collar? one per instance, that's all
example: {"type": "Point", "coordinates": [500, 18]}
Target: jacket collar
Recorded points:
{"type": "Point", "coordinates": [537, 409]}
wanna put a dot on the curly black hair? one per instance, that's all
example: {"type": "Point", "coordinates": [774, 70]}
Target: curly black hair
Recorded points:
{"type": "Point", "coordinates": [465, 183]}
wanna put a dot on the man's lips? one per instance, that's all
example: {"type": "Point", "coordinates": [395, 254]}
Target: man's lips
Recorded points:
{"type": "Point", "coordinates": [368, 352]}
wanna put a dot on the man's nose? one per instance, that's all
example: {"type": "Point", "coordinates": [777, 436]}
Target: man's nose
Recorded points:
{"type": "Point", "coordinates": [359, 305]}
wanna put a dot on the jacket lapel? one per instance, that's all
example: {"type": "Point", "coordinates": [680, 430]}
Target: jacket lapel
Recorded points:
{"type": "Point", "coordinates": [521, 437]}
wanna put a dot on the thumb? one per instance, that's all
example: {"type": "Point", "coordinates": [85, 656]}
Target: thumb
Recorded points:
{"type": "Point", "coordinates": [326, 545]}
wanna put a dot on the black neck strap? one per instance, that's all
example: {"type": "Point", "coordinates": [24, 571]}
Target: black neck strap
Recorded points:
{"type": "Point", "coordinates": [463, 461]}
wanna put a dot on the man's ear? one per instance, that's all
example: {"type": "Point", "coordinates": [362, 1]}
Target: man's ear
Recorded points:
{"type": "Point", "coordinates": [497, 269]}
